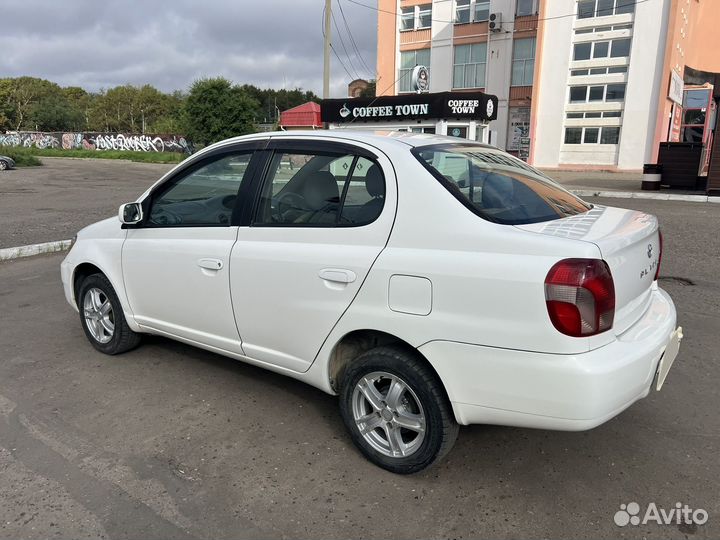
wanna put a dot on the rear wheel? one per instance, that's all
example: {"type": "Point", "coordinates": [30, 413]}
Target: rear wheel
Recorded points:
{"type": "Point", "coordinates": [396, 410]}
{"type": "Point", "coordinates": [102, 317]}
{"type": "Point", "coordinates": [3, 165]}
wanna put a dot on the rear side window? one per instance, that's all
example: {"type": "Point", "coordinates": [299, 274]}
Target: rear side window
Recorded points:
{"type": "Point", "coordinates": [496, 186]}
{"type": "Point", "coordinates": [321, 190]}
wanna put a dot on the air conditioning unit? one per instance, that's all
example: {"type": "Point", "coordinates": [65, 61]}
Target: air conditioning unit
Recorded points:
{"type": "Point", "coordinates": [495, 24]}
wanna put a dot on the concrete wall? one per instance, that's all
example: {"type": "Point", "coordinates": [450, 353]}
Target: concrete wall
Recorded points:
{"type": "Point", "coordinates": [98, 141]}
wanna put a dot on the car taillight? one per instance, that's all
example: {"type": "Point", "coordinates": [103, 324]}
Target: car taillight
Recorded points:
{"type": "Point", "coordinates": [660, 241]}
{"type": "Point", "coordinates": [580, 297]}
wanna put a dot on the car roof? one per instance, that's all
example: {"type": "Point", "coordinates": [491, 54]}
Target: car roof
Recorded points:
{"type": "Point", "coordinates": [375, 138]}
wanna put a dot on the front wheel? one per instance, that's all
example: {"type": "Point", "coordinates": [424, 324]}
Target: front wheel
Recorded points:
{"type": "Point", "coordinates": [3, 165]}
{"type": "Point", "coordinates": [102, 317]}
{"type": "Point", "coordinates": [396, 410]}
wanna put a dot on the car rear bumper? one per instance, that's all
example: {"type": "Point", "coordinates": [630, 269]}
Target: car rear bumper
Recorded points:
{"type": "Point", "coordinates": [574, 392]}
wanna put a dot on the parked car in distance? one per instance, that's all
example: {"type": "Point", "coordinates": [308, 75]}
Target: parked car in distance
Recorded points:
{"type": "Point", "coordinates": [427, 281]}
{"type": "Point", "coordinates": [6, 163]}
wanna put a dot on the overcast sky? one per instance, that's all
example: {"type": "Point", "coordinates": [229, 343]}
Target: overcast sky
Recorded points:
{"type": "Point", "coordinates": [103, 43]}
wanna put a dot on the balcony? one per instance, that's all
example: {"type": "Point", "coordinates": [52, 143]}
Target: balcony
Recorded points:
{"type": "Point", "coordinates": [415, 37]}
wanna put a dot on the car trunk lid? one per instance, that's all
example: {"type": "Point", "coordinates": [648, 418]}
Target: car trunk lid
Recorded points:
{"type": "Point", "coordinates": [628, 241]}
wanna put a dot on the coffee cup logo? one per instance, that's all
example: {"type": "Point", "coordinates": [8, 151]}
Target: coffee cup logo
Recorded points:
{"type": "Point", "coordinates": [344, 112]}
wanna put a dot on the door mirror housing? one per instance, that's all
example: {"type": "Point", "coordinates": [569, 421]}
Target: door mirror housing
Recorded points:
{"type": "Point", "coordinates": [130, 213]}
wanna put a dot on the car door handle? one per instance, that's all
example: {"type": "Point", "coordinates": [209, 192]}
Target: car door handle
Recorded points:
{"type": "Point", "coordinates": [210, 264]}
{"type": "Point", "coordinates": [337, 275]}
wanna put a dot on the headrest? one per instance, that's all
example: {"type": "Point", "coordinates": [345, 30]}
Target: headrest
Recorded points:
{"type": "Point", "coordinates": [374, 182]}
{"type": "Point", "coordinates": [320, 190]}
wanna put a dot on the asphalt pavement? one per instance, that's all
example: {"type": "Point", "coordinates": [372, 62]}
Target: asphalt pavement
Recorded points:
{"type": "Point", "coordinates": [53, 202]}
{"type": "Point", "coordinates": [169, 441]}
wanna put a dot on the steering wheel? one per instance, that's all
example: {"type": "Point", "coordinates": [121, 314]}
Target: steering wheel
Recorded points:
{"type": "Point", "coordinates": [287, 201]}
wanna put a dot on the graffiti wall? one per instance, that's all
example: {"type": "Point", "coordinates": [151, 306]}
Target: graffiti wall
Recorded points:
{"type": "Point", "coordinates": [98, 141]}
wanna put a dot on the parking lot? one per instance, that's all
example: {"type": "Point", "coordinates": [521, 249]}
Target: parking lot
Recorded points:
{"type": "Point", "coordinates": [175, 442]}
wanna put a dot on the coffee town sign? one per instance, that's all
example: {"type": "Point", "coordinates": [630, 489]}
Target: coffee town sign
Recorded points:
{"type": "Point", "coordinates": [440, 105]}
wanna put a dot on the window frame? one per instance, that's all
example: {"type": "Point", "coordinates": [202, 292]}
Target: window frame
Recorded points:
{"type": "Point", "coordinates": [533, 9]}
{"type": "Point", "coordinates": [401, 79]}
{"type": "Point", "coordinates": [413, 13]}
{"type": "Point", "coordinates": [617, 8]}
{"type": "Point", "coordinates": [319, 148]}
{"type": "Point", "coordinates": [524, 62]}
{"type": "Point", "coordinates": [190, 166]}
{"type": "Point", "coordinates": [470, 63]}
{"type": "Point", "coordinates": [583, 131]}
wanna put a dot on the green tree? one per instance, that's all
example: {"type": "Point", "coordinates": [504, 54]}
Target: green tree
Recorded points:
{"type": "Point", "coordinates": [20, 95]}
{"type": "Point", "coordinates": [55, 113]}
{"type": "Point", "coordinates": [370, 90]}
{"type": "Point", "coordinates": [215, 110]}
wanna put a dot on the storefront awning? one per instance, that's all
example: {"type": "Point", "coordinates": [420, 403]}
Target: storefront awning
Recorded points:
{"type": "Point", "coordinates": [437, 106]}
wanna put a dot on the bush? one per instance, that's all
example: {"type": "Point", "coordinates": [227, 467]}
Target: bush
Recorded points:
{"type": "Point", "coordinates": [29, 155]}
{"type": "Point", "coordinates": [23, 157]}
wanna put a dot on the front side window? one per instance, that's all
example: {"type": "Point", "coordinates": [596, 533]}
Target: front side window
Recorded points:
{"type": "Point", "coordinates": [321, 190]}
{"type": "Point", "coordinates": [469, 65]}
{"type": "Point", "coordinates": [496, 186]}
{"type": "Point", "coordinates": [206, 196]}
{"type": "Point", "coordinates": [523, 63]}
{"type": "Point", "coordinates": [408, 61]}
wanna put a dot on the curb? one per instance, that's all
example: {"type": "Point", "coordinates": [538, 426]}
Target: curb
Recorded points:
{"type": "Point", "coordinates": [7, 254]}
{"type": "Point", "coordinates": [645, 195]}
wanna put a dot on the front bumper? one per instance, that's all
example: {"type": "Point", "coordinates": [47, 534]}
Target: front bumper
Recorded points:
{"type": "Point", "coordinates": [574, 392]}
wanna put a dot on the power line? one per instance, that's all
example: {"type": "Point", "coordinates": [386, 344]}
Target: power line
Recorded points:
{"type": "Point", "coordinates": [354, 44]}
{"type": "Point", "coordinates": [342, 42]}
{"type": "Point", "coordinates": [322, 27]}
{"type": "Point", "coordinates": [397, 14]}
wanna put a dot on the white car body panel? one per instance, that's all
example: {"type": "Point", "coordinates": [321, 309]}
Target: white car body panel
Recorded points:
{"type": "Point", "coordinates": [467, 293]}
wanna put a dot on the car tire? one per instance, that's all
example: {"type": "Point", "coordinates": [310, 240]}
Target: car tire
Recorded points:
{"type": "Point", "coordinates": [3, 165]}
{"type": "Point", "coordinates": [396, 410]}
{"type": "Point", "coordinates": [102, 318]}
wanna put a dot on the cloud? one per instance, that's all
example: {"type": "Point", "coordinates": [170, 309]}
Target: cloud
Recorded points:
{"type": "Point", "coordinates": [268, 43]}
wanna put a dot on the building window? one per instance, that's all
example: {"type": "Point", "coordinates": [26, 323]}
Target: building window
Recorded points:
{"type": "Point", "coordinates": [471, 11]}
{"type": "Point", "coordinates": [598, 71]}
{"type": "Point", "coordinates": [523, 63]}
{"type": "Point", "coordinates": [408, 61]}
{"type": "Point", "coordinates": [462, 11]}
{"type": "Point", "coordinates": [605, 92]}
{"type": "Point", "coordinates": [603, 29]}
{"type": "Point", "coordinates": [482, 11]}
{"type": "Point", "coordinates": [525, 7]}
{"type": "Point", "coordinates": [425, 16]}
{"type": "Point", "coordinates": [573, 135]}
{"type": "Point", "coordinates": [592, 135]}
{"type": "Point", "coordinates": [617, 48]}
{"type": "Point", "coordinates": [620, 48]}
{"type": "Point", "coordinates": [588, 9]}
{"type": "Point", "coordinates": [580, 115]}
{"type": "Point", "coordinates": [469, 65]}
{"type": "Point", "coordinates": [407, 18]}
{"type": "Point", "coordinates": [416, 17]}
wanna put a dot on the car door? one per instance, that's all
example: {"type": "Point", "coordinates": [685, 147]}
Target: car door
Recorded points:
{"type": "Point", "coordinates": [323, 214]}
{"type": "Point", "coordinates": [176, 263]}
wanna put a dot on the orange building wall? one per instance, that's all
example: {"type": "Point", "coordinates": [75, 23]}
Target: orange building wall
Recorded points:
{"type": "Point", "coordinates": [386, 47]}
{"type": "Point", "coordinates": [694, 26]}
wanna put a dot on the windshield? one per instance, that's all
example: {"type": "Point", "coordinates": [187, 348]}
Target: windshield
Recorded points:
{"type": "Point", "coordinates": [497, 186]}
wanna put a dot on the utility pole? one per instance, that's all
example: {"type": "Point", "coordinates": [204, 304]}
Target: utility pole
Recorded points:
{"type": "Point", "coordinates": [326, 67]}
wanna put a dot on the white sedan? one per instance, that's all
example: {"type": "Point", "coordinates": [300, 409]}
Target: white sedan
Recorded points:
{"type": "Point", "coordinates": [428, 281]}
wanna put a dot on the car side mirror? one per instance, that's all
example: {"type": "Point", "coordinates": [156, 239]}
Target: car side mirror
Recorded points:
{"type": "Point", "coordinates": [130, 213]}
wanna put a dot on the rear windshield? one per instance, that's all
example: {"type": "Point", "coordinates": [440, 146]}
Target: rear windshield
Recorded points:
{"type": "Point", "coordinates": [497, 186]}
